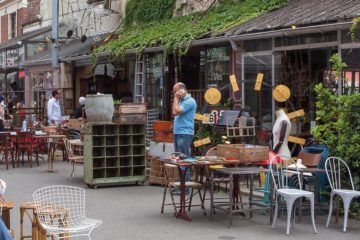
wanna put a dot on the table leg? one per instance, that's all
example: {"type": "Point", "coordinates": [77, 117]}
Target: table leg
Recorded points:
{"type": "Point", "coordinates": [182, 211]}
{"type": "Point", "coordinates": [22, 211]}
{"type": "Point", "coordinates": [6, 217]}
{"type": "Point", "coordinates": [231, 199]}
{"type": "Point", "coordinates": [251, 194]}
{"type": "Point", "coordinates": [212, 207]}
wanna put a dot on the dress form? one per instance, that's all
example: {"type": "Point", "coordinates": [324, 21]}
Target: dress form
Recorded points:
{"type": "Point", "coordinates": [281, 142]}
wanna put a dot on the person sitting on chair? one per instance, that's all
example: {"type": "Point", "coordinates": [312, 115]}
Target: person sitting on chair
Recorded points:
{"type": "Point", "coordinates": [4, 232]}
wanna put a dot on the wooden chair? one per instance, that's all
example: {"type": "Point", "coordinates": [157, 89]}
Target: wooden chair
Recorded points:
{"type": "Point", "coordinates": [6, 147]}
{"type": "Point", "coordinates": [71, 156]}
{"type": "Point", "coordinates": [25, 143]}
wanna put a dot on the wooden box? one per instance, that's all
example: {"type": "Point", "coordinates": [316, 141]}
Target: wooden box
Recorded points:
{"type": "Point", "coordinates": [246, 153]}
{"type": "Point", "coordinates": [132, 108]}
{"type": "Point", "coordinates": [164, 126]}
{"type": "Point", "coordinates": [75, 123]}
{"type": "Point", "coordinates": [132, 119]}
{"type": "Point", "coordinates": [160, 136]}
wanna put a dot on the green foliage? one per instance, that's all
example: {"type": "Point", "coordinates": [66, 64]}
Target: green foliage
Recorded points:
{"type": "Point", "coordinates": [143, 11]}
{"type": "Point", "coordinates": [353, 28]}
{"type": "Point", "coordinates": [339, 127]}
{"type": "Point", "coordinates": [337, 64]}
{"type": "Point", "coordinates": [176, 34]}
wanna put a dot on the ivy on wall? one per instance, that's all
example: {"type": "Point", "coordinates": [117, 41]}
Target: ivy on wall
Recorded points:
{"type": "Point", "coordinates": [143, 11]}
{"type": "Point", "coordinates": [176, 34]}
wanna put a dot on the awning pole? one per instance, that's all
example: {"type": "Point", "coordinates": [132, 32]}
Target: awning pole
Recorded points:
{"type": "Point", "coordinates": [55, 33]}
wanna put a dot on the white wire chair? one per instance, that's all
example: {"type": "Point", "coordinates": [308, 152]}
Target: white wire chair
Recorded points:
{"type": "Point", "coordinates": [335, 167]}
{"type": "Point", "coordinates": [283, 188]}
{"type": "Point", "coordinates": [61, 211]}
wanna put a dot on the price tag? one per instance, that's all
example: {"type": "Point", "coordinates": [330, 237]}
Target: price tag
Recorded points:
{"type": "Point", "coordinates": [201, 142]}
{"type": "Point", "coordinates": [259, 80]}
{"type": "Point", "coordinates": [295, 114]}
{"type": "Point", "coordinates": [297, 140]}
{"type": "Point", "coordinates": [234, 83]}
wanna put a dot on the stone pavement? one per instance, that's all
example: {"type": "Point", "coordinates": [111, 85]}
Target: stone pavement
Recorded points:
{"type": "Point", "coordinates": [133, 212]}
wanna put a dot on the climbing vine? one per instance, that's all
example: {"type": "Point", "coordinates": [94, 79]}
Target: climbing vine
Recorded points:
{"type": "Point", "coordinates": [143, 11]}
{"type": "Point", "coordinates": [175, 35]}
{"type": "Point", "coordinates": [353, 28]}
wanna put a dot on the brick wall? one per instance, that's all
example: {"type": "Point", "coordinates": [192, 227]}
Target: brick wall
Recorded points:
{"type": "Point", "coordinates": [21, 18]}
{"type": "Point", "coordinates": [4, 27]}
{"type": "Point", "coordinates": [33, 9]}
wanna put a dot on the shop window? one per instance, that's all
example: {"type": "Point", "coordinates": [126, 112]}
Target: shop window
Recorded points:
{"type": "Point", "coordinates": [306, 39]}
{"type": "Point", "coordinates": [258, 45]}
{"type": "Point", "coordinates": [154, 81]}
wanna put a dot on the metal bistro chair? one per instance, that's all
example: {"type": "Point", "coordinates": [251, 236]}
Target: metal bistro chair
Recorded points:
{"type": "Point", "coordinates": [335, 167]}
{"type": "Point", "coordinates": [61, 211]}
{"type": "Point", "coordinates": [281, 178]}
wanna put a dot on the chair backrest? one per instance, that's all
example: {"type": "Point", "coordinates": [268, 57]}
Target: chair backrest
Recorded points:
{"type": "Point", "coordinates": [68, 148]}
{"type": "Point", "coordinates": [54, 203]}
{"type": "Point", "coordinates": [283, 177]}
{"type": "Point", "coordinates": [335, 167]}
{"type": "Point", "coordinates": [4, 140]}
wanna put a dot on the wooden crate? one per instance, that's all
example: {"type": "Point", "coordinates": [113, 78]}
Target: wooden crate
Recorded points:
{"type": "Point", "coordinates": [246, 153]}
{"type": "Point", "coordinates": [132, 119]}
{"type": "Point", "coordinates": [132, 108]}
{"type": "Point", "coordinates": [163, 136]}
{"type": "Point", "coordinates": [163, 126]}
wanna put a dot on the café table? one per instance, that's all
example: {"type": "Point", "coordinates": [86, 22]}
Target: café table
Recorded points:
{"type": "Point", "coordinates": [234, 174]}
{"type": "Point", "coordinates": [53, 140]}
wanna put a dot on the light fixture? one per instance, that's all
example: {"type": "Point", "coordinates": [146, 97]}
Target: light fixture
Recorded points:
{"type": "Point", "coordinates": [293, 27]}
{"type": "Point", "coordinates": [83, 39]}
{"type": "Point", "coordinates": [19, 43]}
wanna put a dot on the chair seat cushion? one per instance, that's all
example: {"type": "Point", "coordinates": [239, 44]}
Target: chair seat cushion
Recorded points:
{"type": "Point", "coordinates": [347, 192]}
{"type": "Point", "coordinates": [294, 192]}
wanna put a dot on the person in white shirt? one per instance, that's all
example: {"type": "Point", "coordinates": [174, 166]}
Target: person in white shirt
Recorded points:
{"type": "Point", "coordinates": [53, 108]}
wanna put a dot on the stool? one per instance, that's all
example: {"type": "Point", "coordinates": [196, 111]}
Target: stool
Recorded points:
{"type": "Point", "coordinates": [29, 209]}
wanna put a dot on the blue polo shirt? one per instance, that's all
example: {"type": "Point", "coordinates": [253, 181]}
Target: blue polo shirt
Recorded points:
{"type": "Point", "coordinates": [184, 123]}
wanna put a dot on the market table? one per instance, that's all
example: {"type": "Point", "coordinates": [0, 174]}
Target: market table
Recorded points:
{"type": "Point", "coordinates": [233, 174]}
{"type": "Point", "coordinates": [186, 164]}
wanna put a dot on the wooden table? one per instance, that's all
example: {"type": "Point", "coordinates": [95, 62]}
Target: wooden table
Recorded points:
{"type": "Point", "coordinates": [233, 174]}
{"type": "Point", "coordinates": [53, 140]}
{"type": "Point", "coordinates": [183, 166]}
{"type": "Point", "coordinates": [6, 207]}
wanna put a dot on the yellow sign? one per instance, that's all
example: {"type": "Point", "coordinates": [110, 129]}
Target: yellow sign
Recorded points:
{"type": "Point", "coordinates": [281, 93]}
{"type": "Point", "coordinates": [297, 140]}
{"type": "Point", "coordinates": [295, 114]}
{"type": "Point", "coordinates": [212, 96]}
{"type": "Point", "coordinates": [201, 117]}
{"type": "Point", "coordinates": [259, 80]}
{"type": "Point", "coordinates": [234, 84]}
{"type": "Point", "coordinates": [201, 142]}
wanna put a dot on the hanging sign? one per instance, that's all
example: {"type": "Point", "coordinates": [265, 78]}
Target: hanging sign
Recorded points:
{"type": "Point", "coordinates": [200, 117]}
{"type": "Point", "coordinates": [281, 93]}
{"type": "Point", "coordinates": [212, 96]}
{"type": "Point", "coordinates": [259, 80]}
{"type": "Point", "coordinates": [298, 113]}
{"type": "Point", "coordinates": [297, 140]}
{"type": "Point", "coordinates": [202, 142]}
{"type": "Point", "coordinates": [234, 84]}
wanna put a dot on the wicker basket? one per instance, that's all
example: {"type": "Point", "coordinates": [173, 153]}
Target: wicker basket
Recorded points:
{"type": "Point", "coordinates": [246, 153]}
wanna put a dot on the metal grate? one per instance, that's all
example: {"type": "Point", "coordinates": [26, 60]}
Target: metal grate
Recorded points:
{"type": "Point", "coordinates": [152, 115]}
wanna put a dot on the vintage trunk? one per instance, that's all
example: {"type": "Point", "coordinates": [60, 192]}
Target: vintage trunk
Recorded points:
{"type": "Point", "coordinates": [163, 126]}
{"type": "Point", "coordinates": [160, 136]}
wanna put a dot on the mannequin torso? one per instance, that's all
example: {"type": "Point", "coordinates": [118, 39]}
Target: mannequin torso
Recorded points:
{"type": "Point", "coordinates": [281, 132]}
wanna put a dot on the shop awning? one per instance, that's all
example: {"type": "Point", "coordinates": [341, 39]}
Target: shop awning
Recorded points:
{"type": "Point", "coordinates": [68, 50]}
{"type": "Point", "coordinates": [301, 13]}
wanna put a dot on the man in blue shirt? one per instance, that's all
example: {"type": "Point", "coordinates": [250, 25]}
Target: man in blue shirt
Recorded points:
{"type": "Point", "coordinates": [184, 107]}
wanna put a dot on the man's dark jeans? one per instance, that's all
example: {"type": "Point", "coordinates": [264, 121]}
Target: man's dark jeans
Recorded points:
{"type": "Point", "coordinates": [182, 143]}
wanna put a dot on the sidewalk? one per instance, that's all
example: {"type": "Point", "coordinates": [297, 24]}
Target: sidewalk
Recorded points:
{"type": "Point", "coordinates": [133, 212]}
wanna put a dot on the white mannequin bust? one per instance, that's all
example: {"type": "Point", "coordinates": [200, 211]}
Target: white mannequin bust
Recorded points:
{"type": "Point", "coordinates": [280, 118]}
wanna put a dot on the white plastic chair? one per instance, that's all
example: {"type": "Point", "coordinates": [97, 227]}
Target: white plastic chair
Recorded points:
{"type": "Point", "coordinates": [61, 211]}
{"type": "Point", "coordinates": [335, 167]}
{"type": "Point", "coordinates": [281, 176]}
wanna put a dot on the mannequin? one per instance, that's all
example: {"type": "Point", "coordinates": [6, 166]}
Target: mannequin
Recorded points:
{"type": "Point", "coordinates": [281, 132]}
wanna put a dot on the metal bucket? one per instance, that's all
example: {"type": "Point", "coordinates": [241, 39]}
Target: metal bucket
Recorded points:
{"type": "Point", "coordinates": [99, 108]}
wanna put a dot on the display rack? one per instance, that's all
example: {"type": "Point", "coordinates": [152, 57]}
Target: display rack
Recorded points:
{"type": "Point", "coordinates": [114, 154]}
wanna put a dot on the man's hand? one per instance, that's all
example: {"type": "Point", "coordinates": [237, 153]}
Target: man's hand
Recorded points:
{"type": "Point", "coordinates": [180, 94]}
